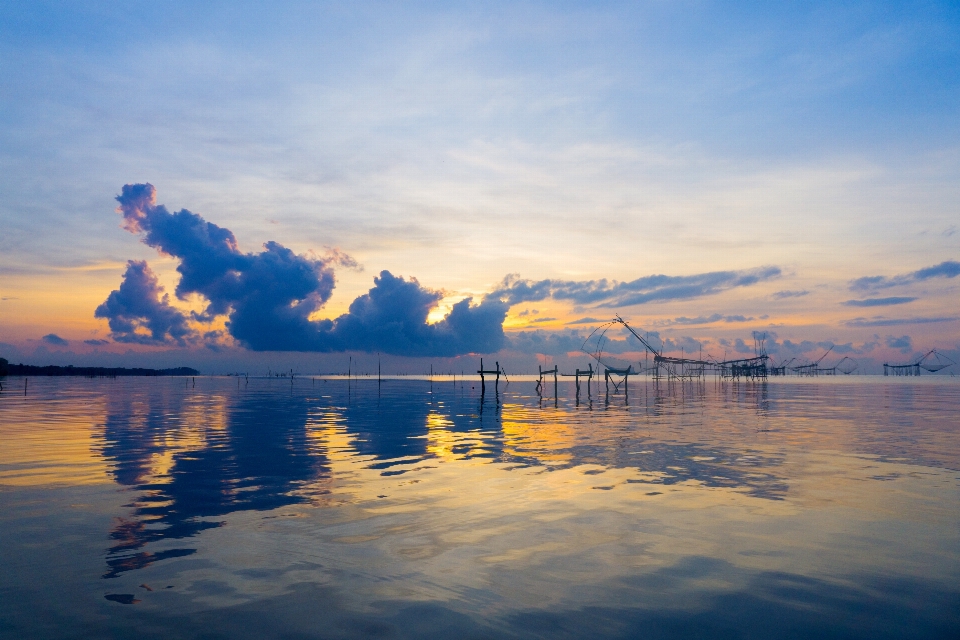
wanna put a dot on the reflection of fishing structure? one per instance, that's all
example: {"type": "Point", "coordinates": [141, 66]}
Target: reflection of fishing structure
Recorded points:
{"type": "Point", "coordinates": [932, 361]}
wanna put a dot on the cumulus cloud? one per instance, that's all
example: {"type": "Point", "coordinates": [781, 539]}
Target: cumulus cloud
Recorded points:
{"type": "Point", "coordinates": [947, 269]}
{"type": "Point", "coordinates": [655, 288]}
{"type": "Point", "coordinates": [878, 302]}
{"type": "Point", "coordinates": [903, 343]}
{"type": "Point", "coordinates": [268, 297]}
{"type": "Point", "coordinates": [54, 339]}
{"type": "Point", "coordinates": [140, 312]}
{"type": "Point", "coordinates": [392, 317]}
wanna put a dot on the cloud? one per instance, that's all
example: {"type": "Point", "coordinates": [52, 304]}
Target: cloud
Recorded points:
{"type": "Point", "coordinates": [780, 295]}
{"type": "Point", "coordinates": [139, 311]}
{"type": "Point", "coordinates": [877, 302]}
{"type": "Point", "coordinates": [588, 320]}
{"type": "Point", "coordinates": [880, 321]}
{"type": "Point", "coordinates": [548, 342]}
{"type": "Point", "coordinates": [54, 339]}
{"type": "Point", "coordinates": [336, 256]}
{"type": "Point", "coordinates": [654, 288]}
{"type": "Point", "coordinates": [96, 342]}
{"type": "Point", "coordinates": [268, 297]}
{"type": "Point", "coordinates": [903, 343]}
{"type": "Point", "coordinates": [543, 320]}
{"type": "Point", "coordinates": [947, 269]}
{"type": "Point", "coordinates": [392, 318]}
{"type": "Point", "coordinates": [716, 317]}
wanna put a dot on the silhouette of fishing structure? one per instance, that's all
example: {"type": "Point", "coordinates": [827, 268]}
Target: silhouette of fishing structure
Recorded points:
{"type": "Point", "coordinates": [487, 372]}
{"type": "Point", "coordinates": [813, 368]}
{"type": "Point", "coordinates": [577, 374]}
{"type": "Point", "coordinates": [672, 368]}
{"type": "Point", "coordinates": [781, 369]}
{"type": "Point", "coordinates": [931, 361]}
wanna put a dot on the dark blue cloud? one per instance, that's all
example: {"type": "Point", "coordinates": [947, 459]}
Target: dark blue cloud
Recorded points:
{"type": "Point", "coordinates": [54, 339]}
{"type": "Point", "coordinates": [947, 269]}
{"type": "Point", "coordinates": [96, 342]}
{"type": "Point", "coordinates": [878, 302]}
{"type": "Point", "coordinates": [268, 297]}
{"type": "Point", "coordinates": [903, 343]}
{"type": "Point", "coordinates": [392, 318]}
{"type": "Point", "coordinates": [655, 288]}
{"type": "Point", "coordinates": [555, 342]}
{"type": "Point", "coordinates": [140, 312]}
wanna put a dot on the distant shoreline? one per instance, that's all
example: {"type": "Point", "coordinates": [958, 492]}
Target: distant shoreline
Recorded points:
{"type": "Point", "coordinates": [91, 372]}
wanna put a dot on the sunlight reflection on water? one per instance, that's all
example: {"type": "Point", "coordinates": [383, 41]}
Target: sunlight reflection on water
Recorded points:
{"type": "Point", "coordinates": [336, 508]}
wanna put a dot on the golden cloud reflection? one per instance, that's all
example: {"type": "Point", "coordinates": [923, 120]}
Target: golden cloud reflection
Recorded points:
{"type": "Point", "coordinates": [396, 493]}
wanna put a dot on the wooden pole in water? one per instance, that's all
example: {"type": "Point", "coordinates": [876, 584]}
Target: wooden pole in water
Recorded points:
{"type": "Point", "coordinates": [483, 385]}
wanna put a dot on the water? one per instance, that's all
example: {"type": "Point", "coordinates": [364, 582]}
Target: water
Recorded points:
{"type": "Point", "coordinates": [152, 508]}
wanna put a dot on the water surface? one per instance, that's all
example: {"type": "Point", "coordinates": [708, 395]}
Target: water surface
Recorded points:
{"type": "Point", "coordinates": [337, 509]}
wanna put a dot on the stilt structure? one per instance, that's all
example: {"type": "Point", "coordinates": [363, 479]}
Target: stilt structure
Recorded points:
{"type": "Point", "coordinates": [812, 368]}
{"type": "Point", "coordinates": [483, 384]}
{"type": "Point", "coordinates": [611, 375]}
{"type": "Point", "coordinates": [578, 373]}
{"type": "Point", "coordinates": [545, 372]}
{"type": "Point", "coordinates": [932, 361]}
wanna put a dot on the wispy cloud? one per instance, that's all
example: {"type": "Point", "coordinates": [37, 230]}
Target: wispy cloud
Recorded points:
{"type": "Point", "coordinates": [587, 320]}
{"type": "Point", "coordinates": [716, 317]}
{"type": "Point", "coordinates": [780, 295]}
{"type": "Point", "coordinates": [654, 288]}
{"type": "Point", "coordinates": [947, 269]}
{"type": "Point", "coordinates": [54, 339]}
{"type": "Point", "coordinates": [880, 321]}
{"type": "Point", "coordinates": [878, 302]}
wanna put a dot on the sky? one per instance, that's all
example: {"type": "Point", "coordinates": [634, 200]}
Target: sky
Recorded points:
{"type": "Point", "coordinates": [236, 186]}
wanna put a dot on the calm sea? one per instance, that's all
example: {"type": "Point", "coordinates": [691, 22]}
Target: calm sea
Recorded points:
{"type": "Point", "coordinates": [265, 508]}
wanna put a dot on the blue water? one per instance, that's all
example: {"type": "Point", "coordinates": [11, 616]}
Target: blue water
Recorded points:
{"type": "Point", "coordinates": [174, 508]}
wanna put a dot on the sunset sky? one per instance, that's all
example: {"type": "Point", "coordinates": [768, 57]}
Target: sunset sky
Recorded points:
{"type": "Point", "coordinates": [789, 168]}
